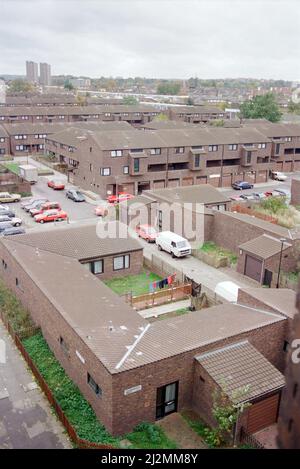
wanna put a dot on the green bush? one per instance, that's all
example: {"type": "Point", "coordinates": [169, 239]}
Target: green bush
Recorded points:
{"type": "Point", "coordinates": [274, 204]}
{"type": "Point", "coordinates": [12, 308]}
{"type": "Point", "coordinates": [147, 435]}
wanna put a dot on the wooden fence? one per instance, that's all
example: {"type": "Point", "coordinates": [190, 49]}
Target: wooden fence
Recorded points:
{"type": "Point", "coordinates": [249, 211]}
{"type": "Point", "coordinates": [79, 442]}
{"type": "Point", "coordinates": [159, 297]}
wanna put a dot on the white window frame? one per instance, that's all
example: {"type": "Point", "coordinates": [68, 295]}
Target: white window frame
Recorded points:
{"type": "Point", "coordinates": [105, 171]}
{"type": "Point", "coordinates": [123, 262]}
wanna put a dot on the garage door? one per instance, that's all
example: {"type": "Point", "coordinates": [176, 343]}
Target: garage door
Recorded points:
{"type": "Point", "coordinates": [261, 176]}
{"type": "Point", "coordinates": [187, 181]}
{"type": "Point", "coordinates": [253, 268]}
{"type": "Point", "coordinates": [287, 166]}
{"type": "Point", "coordinates": [297, 165]}
{"type": "Point", "coordinates": [201, 180]}
{"type": "Point", "coordinates": [173, 182]}
{"type": "Point", "coordinates": [159, 184]}
{"type": "Point", "coordinates": [226, 180]}
{"type": "Point", "coordinates": [214, 181]}
{"type": "Point", "coordinates": [128, 188]}
{"type": "Point", "coordinates": [278, 166]}
{"type": "Point", "coordinates": [263, 413]}
{"type": "Point", "coordinates": [249, 177]}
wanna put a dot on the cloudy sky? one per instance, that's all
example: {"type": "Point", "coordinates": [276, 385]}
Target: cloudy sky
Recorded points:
{"type": "Point", "coordinates": [153, 38]}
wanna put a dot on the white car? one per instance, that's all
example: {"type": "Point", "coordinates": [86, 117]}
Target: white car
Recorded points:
{"type": "Point", "coordinates": [15, 221]}
{"type": "Point", "coordinates": [278, 176]}
{"type": "Point", "coordinates": [170, 242]}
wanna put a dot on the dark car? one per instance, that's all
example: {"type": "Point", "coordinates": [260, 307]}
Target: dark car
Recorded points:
{"type": "Point", "coordinates": [13, 230]}
{"type": "Point", "coordinates": [240, 185]}
{"type": "Point", "coordinates": [35, 203]}
{"type": "Point", "coordinates": [4, 226]}
{"type": "Point", "coordinates": [75, 195]}
{"type": "Point", "coordinates": [7, 213]}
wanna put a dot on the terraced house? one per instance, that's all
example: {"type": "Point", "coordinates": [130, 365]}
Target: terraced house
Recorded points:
{"type": "Point", "coordinates": [129, 369]}
{"type": "Point", "coordinates": [136, 160]}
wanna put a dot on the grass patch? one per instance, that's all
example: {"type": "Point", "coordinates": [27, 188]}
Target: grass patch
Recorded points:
{"type": "Point", "coordinates": [211, 248]}
{"type": "Point", "coordinates": [148, 436]}
{"type": "Point", "coordinates": [171, 314]}
{"type": "Point", "coordinates": [12, 308]}
{"type": "Point", "coordinates": [13, 167]}
{"type": "Point", "coordinates": [137, 284]}
{"type": "Point", "coordinates": [286, 215]}
{"type": "Point", "coordinates": [207, 434]}
{"type": "Point", "coordinates": [293, 276]}
{"type": "Point", "coordinates": [79, 412]}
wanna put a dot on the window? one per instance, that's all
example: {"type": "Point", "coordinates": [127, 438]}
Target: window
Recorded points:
{"type": "Point", "coordinates": [277, 148]}
{"type": "Point", "coordinates": [233, 146]}
{"type": "Point", "coordinates": [19, 147]}
{"type": "Point", "coordinates": [36, 136]}
{"type": "Point", "coordinates": [2, 118]}
{"type": "Point", "coordinates": [39, 117]}
{"type": "Point", "coordinates": [115, 153]}
{"type": "Point", "coordinates": [285, 346]}
{"type": "Point", "coordinates": [17, 281]}
{"type": "Point", "coordinates": [262, 145]}
{"type": "Point", "coordinates": [136, 165]}
{"type": "Point", "coordinates": [41, 147]}
{"type": "Point", "coordinates": [125, 169]}
{"type": "Point", "coordinates": [97, 267]}
{"type": "Point", "coordinates": [2, 139]}
{"type": "Point", "coordinates": [197, 161]}
{"type": "Point", "coordinates": [4, 264]}
{"type": "Point", "coordinates": [155, 151]}
{"type": "Point", "coordinates": [179, 150]}
{"type": "Point", "coordinates": [288, 139]}
{"type": "Point", "coordinates": [105, 171]}
{"type": "Point", "coordinates": [122, 262]}
{"type": "Point", "coordinates": [63, 345]}
{"type": "Point", "coordinates": [107, 114]}
{"type": "Point", "coordinates": [136, 150]}
{"type": "Point", "coordinates": [197, 147]}
{"type": "Point", "coordinates": [91, 167]}
{"type": "Point", "coordinates": [248, 157]}
{"type": "Point", "coordinates": [92, 383]}
{"type": "Point", "coordinates": [213, 148]}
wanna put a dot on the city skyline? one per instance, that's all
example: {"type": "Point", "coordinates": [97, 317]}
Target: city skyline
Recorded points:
{"type": "Point", "coordinates": [114, 39]}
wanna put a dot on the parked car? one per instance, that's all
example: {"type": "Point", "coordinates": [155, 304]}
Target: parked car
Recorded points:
{"type": "Point", "coordinates": [43, 207]}
{"type": "Point", "coordinates": [173, 243]}
{"type": "Point", "coordinates": [115, 199]}
{"type": "Point", "coordinates": [241, 185]}
{"type": "Point", "coordinates": [101, 210]}
{"type": "Point", "coordinates": [146, 232]}
{"type": "Point", "coordinates": [15, 221]}
{"type": "Point", "coordinates": [278, 176]}
{"type": "Point", "coordinates": [258, 195]}
{"type": "Point", "coordinates": [282, 193]}
{"type": "Point", "coordinates": [8, 213]}
{"type": "Point", "coordinates": [51, 215]}
{"type": "Point", "coordinates": [7, 197]}
{"type": "Point", "coordinates": [33, 203]}
{"type": "Point", "coordinates": [5, 225]}
{"type": "Point", "coordinates": [13, 231]}
{"type": "Point", "coordinates": [236, 198]}
{"type": "Point", "coordinates": [56, 184]}
{"type": "Point", "coordinates": [75, 195]}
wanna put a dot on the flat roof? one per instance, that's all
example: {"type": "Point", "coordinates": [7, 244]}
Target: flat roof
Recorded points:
{"type": "Point", "coordinates": [201, 193]}
{"type": "Point", "coordinates": [241, 371]}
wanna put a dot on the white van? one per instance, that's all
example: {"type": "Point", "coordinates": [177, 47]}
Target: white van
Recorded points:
{"type": "Point", "coordinates": [173, 243]}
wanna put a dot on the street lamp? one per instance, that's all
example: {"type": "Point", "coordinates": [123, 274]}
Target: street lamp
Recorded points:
{"type": "Point", "coordinates": [282, 240]}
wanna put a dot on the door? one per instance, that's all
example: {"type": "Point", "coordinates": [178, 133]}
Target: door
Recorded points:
{"type": "Point", "coordinates": [287, 166]}
{"type": "Point", "coordinates": [263, 413]}
{"type": "Point", "coordinates": [201, 180]}
{"type": "Point", "coordinates": [253, 268]}
{"type": "Point", "coordinates": [187, 181]}
{"type": "Point", "coordinates": [268, 278]}
{"type": "Point", "coordinates": [174, 183]}
{"type": "Point", "coordinates": [166, 400]}
{"type": "Point", "coordinates": [214, 181]}
{"type": "Point", "coordinates": [128, 188]}
{"type": "Point", "coordinates": [261, 176]}
{"type": "Point", "coordinates": [226, 180]}
{"type": "Point", "coordinates": [158, 184]}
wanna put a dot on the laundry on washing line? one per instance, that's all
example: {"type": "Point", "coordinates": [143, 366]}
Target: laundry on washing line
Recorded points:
{"type": "Point", "coordinates": [159, 284]}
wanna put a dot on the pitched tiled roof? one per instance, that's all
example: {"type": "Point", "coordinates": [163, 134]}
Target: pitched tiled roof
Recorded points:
{"type": "Point", "coordinates": [81, 242]}
{"type": "Point", "coordinates": [241, 371]}
{"type": "Point", "coordinates": [264, 246]}
{"type": "Point", "coordinates": [282, 300]}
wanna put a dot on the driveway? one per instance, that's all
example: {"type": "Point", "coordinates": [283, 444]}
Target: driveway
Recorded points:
{"type": "Point", "coordinates": [27, 420]}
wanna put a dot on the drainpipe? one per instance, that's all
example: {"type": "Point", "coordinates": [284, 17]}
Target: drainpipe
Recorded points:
{"type": "Point", "coordinates": [167, 169]}
{"type": "Point", "coordinates": [222, 157]}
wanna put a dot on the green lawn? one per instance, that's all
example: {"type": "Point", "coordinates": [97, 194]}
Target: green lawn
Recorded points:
{"type": "Point", "coordinates": [211, 248]}
{"type": "Point", "coordinates": [13, 167]}
{"type": "Point", "coordinates": [78, 410]}
{"type": "Point", "coordinates": [137, 284]}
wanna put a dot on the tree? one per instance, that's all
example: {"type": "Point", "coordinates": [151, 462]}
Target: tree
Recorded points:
{"type": "Point", "coordinates": [68, 85]}
{"type": "Point", "coordinates": [190, 101]}
{"type": "Point", "coordinates": [81, 100]}
{"type": "Point", "coordinates": [130, 100]}
{"type": "Point", "coordinates": [168, 87]}
{"type": "Point", "coordinates": [161, 117]}
{"type": "Point", "coordinates": [262, 107]}
{"type": "Point", "coordinates": [20, 86]}
{"type": "Point", "coordinates": [294, 107]}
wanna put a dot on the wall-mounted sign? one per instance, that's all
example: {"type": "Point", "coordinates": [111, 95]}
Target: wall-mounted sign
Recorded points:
{"type": "Point", "coordinates": [132, 390]}
{"type": "Point", "coordinates": [80, 357]}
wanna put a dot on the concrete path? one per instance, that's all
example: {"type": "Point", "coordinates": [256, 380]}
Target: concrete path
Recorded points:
{"type": "Point", "coordinates": [26, 418]}
{"type": "Point", "coordinates": [164, 309]}
{"type": "Point", "coordinates": [180, 432]}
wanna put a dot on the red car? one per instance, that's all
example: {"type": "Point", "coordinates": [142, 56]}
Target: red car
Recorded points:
{"type": "Point", "coordinates": [51, 215]}
{"type": "Point", "coordinates": [115, 199]}
{"type": "Point", "coordinates": [101, 210]}
{"type": "Point", "coordinates": [56, 184]}
{"type": "Point", "coordinates": [43, 207]}
{"type": "Point", "coordinates": [146, 232]}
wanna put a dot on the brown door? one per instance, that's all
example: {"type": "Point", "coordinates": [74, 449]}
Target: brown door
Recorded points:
{"type": "Point", "coordinates": [297, 165]}
{"type": "Point", "coordinates": [287, 166]}
{"type": "Point", "coordinates": [253, 268]}
{"type": "Point", "coordinates": [262, 414]}
{"type": "Point", "coordinates": [173, 182]}
{"type": "Point", "coordinates": [214, 181]}
{"type": "Point", "coordinates": [226, 180]}
{"type": "Point", "coordinates": [279, 166]}
{"type": "Point", "coordinates": [201, 180]}
{"type": "Point", "coordinates": [158, 184]}
{"type": "Point", "coordinates": [187, 181]}
{"type": "Point", "coordinates": [261, 176]}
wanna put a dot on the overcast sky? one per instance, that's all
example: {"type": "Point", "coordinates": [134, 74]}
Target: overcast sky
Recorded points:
{"type": "Point", "coordinates": [153, 38]}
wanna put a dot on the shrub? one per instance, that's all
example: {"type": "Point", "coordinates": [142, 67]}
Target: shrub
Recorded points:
{"type": "Point", "coordinates": [148, 435]}
{"type": "Point", "coordinates": [15, 313]}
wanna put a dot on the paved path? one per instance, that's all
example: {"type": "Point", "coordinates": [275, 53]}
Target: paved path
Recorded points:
{"type": "Point", "coordinates": [26, 418]}
{"type": "Point", "coordinates": [179, 431]}
{"type": "Point", "coordinates": [163, 309]}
